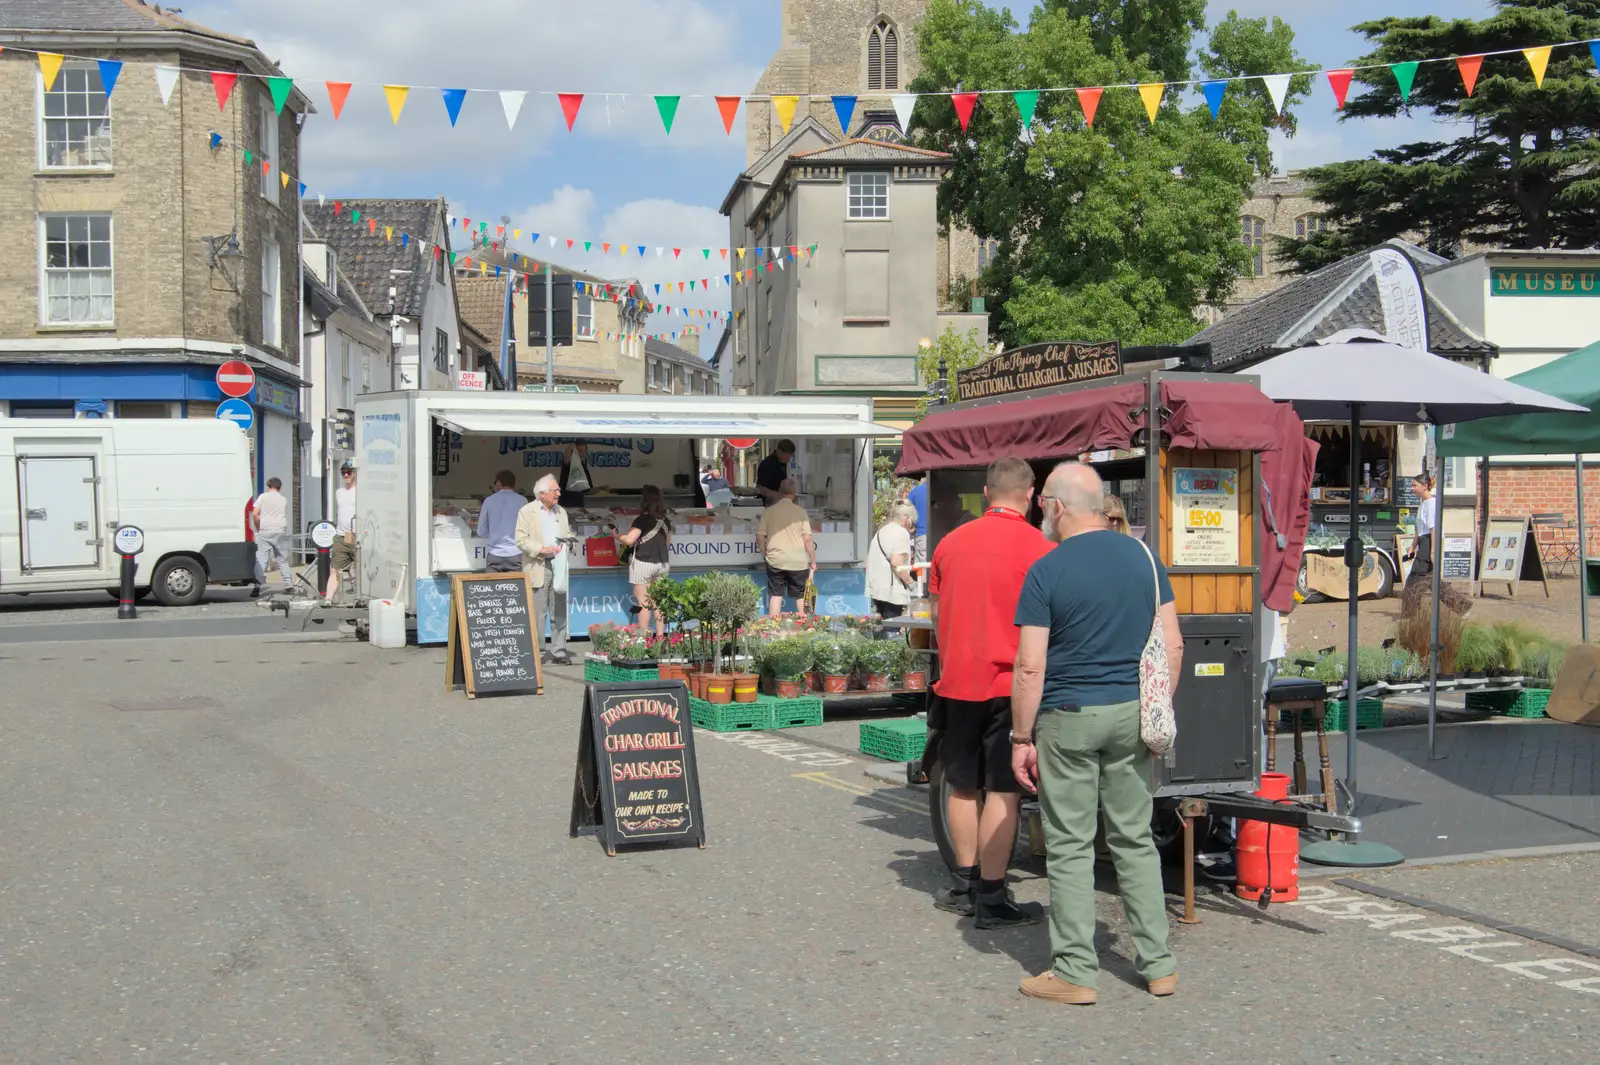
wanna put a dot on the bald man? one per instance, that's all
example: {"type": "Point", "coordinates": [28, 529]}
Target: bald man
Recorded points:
{"type": "Point", "coordinates": [1085, 614]}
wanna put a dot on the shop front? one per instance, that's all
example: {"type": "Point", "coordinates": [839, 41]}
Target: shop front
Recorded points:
{"type": "Point", "coordinates": [429, 459]}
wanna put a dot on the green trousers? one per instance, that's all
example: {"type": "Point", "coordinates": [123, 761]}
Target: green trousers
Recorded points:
{"type": "Point", "coordinates": [1090, 760]}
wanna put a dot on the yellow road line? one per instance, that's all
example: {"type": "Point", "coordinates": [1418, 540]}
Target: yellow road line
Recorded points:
{"type": "Point", "coordinates": [877, 795]}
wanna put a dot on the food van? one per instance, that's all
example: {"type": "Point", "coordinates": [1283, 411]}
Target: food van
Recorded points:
{"type": "Point", "coordinates": [428, 459]}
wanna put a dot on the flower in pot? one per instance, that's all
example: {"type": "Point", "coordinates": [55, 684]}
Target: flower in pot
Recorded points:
{"type": "Point", "coordinates": [834, 660]}
{"type": "Point", "coordinates": [877, 660]}
{"type": "Point", "coordinates": [603, 639]}
{"type": "Point", "coordinates": [912, 668]}
{"type": "Point", "coordinates": [633, 649]}
{"type": "Point", "coordinates": [788, 658]}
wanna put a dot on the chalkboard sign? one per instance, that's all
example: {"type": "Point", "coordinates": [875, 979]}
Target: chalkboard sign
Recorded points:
{"type": "Point", "coordinates": [491, 646]}
{"type": "Point", "coordinates": [1459, 555]}
{"type": "Point", "coordinates": [637, 781]}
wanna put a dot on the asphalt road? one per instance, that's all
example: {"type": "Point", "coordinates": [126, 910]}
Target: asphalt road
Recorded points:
{"type": "Point", "coordinates": [308, 851]}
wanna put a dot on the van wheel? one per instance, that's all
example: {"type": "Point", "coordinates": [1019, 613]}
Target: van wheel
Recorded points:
{"type": "Point", "coordinates": [139, 594]}
{"type": "Point", "coordinates": [179, 581]}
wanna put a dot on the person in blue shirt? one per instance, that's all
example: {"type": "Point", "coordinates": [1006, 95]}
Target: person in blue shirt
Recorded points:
{"type": "Point", "coordinates": [497, 523]}
{"type": "Point", "coordinates": [918, 497]}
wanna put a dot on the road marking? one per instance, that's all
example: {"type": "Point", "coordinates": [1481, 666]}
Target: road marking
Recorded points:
{"type": "Point", "coordinates": [876, 794]}
{"type": "Point", "coordinates": [1464, 941]}
{"type": "Point", "coordinates": [781, 747]}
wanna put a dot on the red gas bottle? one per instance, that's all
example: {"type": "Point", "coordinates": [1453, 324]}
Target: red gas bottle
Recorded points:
{"type": "Point", "coordinates": [1268, 854]}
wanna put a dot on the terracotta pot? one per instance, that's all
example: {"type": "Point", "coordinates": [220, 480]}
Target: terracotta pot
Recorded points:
{"type": "Point", "coordinates": [836, 683]}
{"type": "Point", "coordinates": [789, 689]}
{"type": "Point", "coordinates": [719, 688]}
{"type": "Point", "coordinates": [700, 684]}
{"type": "Point", "coordinates": [877, 682]}
{"type": "Point", "coordinates": [746, 686]}
{"type": "Point", "coordinates": [813, 681]}
{"type": "Point", "coordinates": [916, 680]}
{"type": "Point", "coordinates": [768, 684]}
{"type": "Point", "coordinates": [672, 671]}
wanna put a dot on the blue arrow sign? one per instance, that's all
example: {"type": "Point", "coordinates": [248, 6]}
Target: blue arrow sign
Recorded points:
{"type": "Point", "coordinates": [238, 412]}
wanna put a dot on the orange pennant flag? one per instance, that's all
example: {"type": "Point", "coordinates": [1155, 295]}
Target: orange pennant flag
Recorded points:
{"type": "Point", "coordinates": [1089, 100]}
{"type": "Point", "coordinates": [729, 107]}
{"type": "Point", "coordinates": [1469, 65]}
{"type": "Point", "coordinates": [337, 91]}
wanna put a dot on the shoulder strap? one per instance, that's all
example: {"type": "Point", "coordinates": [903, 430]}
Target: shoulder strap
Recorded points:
{"type": "Point", "coordinates": [1154, 573]}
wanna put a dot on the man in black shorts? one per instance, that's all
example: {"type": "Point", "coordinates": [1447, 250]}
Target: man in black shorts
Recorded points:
{"type": "Point", "coordinates": [784, 540]}
{"type": "Point", "coordinates": [975, 579]}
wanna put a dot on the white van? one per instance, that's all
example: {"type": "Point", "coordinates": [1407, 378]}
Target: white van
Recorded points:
{"type": "Point", "coordinates": [65, 487]}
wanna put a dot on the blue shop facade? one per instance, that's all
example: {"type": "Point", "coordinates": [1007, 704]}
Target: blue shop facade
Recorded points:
{"type": "Point", "coordinates": [159, 390]}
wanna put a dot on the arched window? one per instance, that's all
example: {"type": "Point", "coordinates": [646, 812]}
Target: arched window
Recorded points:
{"type": "Point", "coordinates": [1308, 224]}
{"type": "Point", "coordinates": [1253, 235]}
{"type": "Point", "coordinates": [988, 251]}
{"type": "Point", "coordinates": [883, 57]}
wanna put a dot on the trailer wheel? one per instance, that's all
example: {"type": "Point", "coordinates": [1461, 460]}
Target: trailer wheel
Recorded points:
{"type": "Point", "coordinates": [938, 798]}
{"type": "Point", "coordinates": [179, 581]}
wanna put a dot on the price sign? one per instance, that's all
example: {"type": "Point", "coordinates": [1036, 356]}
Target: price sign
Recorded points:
{"type": "Point", "coordinates": [1206, 502]}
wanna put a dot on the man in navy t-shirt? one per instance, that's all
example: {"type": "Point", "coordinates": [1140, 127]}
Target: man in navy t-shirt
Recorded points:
{"type": "Point", "coordinates": [1086, 612]}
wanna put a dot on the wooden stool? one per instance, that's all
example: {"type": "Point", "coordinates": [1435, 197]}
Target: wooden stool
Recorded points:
{"type": "Point", "coordinates": [1301, 694]}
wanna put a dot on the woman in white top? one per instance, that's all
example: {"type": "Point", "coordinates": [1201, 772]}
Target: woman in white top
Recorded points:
{"type": "Point", "coordinates": [888, 579]}
{"type": "Point", "coordinates": [1427, 519]}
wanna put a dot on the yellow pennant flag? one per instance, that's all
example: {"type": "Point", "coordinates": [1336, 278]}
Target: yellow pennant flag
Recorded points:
{"type": "Point", "coordinates": [784, 106]}
{"type": "Point", "coordinates": [50, 66]}
{"type": "Point", "coordinates": [483, 267]}
{"type": "Point", "coordinates": [1152, 92]}
{"type": "Point", "coordinates": [516, 234]}
{"type": "Point", "coordinates": [741, 253]}
{"type": "Point", "coordinates": [388, 234]}
{"type": "Point", "coordinates": [283, 179]}
{"type": "Point", "coordinates": [1538, 59]}
{"type": "Point", "coordinates": [397, 99]}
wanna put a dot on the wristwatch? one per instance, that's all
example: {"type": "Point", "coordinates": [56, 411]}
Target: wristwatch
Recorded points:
{"type": "Point", "coordinates": [1020, 741]}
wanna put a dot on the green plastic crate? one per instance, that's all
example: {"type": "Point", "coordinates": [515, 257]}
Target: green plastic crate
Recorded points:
{"type": "Point", "coordinates": [1523, 702]}
{"type": "Point", "coordinates": [1369, 714]}
{"type": "Point", "coordinates": [896, 741]}
{"type": "Point", "coordinates": [794, 713]}
{"type": "Point", "coordinates": [606, 673]}
{"type": "Point", "coordinates": [730, 717]}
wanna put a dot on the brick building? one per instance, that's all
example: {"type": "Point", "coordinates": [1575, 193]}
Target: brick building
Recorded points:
{"type": "Point", "coordinates": [140, 256]}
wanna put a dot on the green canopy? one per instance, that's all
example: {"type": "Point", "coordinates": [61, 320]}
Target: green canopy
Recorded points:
{"type": "Point", "coordinates": [1574, 378]}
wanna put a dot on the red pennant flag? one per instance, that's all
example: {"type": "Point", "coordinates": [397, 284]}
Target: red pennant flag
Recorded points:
{"type": "Point", "coordinates": [965, 102]}
{"type": "Point", "coordinates": [266, 167]}
{"type": "Point", "coordinates": [1339, 81]}
{"type": "Point", "coordinates": [729, 106]}
{"type": "Point", "coordinates": [1469, 66]}
{"type": "Point", "coordinates": [466, 224]}
{"type": "Point", "coordinates": [337, 207]}
{"type": "Point", "coordinates": [223, 84]}
{"type": "Point", "coordinates": [1089, 100]}
{"type": "Point", "coordinates": [372, 224]}
{"type": "Point", "coordinates": [569, 243]}
{"type": "Point", "coordinates": [337, 91]}
{"type": "Point", "coordinates": [676, 252]}
{"type": "Point", "coordinates": [570, 102]}
{"type": "Point", "coordinates": [436, 251]}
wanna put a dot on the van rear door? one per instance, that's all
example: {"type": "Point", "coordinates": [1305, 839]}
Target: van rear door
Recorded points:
{"type": "Point", "coordinates": [60, 512]}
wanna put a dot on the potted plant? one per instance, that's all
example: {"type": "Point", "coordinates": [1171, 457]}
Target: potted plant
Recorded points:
{"type": "Point", "coordinates": [1477, 650]}
{"type": "Point", "coordinates": [632, 650]}
{"type": "Point", "coordinates": [877, 660]}
{"type": "Point", "coordinates": [788, 658]}
{"type": "Point", "coordinates": [731, 601]}
{"type": "Point", "coordinates": [1543, 664]}
{"type": "Point", "coordinates": [834, 660]}
{"type": "Point", "coordinates": [911, 668]}
{"type": "Point", "coordinates": [603, 638]}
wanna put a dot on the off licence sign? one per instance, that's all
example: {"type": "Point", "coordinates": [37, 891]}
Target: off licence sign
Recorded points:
{"type": "Point", "coordinates": [1206, 502]}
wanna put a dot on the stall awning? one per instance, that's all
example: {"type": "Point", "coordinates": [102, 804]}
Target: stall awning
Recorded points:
{"type": "Point", "coordinates": [546, 423]}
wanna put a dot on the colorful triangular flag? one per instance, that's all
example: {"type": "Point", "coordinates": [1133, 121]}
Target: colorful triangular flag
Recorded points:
{"type": "Point", "coordinates": [1212, 91]}
{"type": "Point", "coordinates": [1027, 103]}
{"type": "Point", "coordinates": [397, 99]}
{"type": "Point", "coordinates": [784, 107]}
{"type": "Point", "coordinates": [1404, 75]}
{"type": "Point", "coordinates": [1277, 88]}
{"type": "Point", "coordinates": [728, 107]}
{"type": "Point", "coordinates": [511, 104]}
{"type": "Point", "coordinates": [667, 108]}
{"type": "Point", "coordinates": [1538, 59]}
{"type": "Point", "coordinates": [570, 102]}
{"type": "Point", "coordinates": [1594, 52]}
{"type": "Point", "coordinates": [1469, 65]}
{"type": "Point", "coordinates": [50, 66]}
{"type": "Point", "coordinates": [964, 103]}
{"type": "Point", "coordinates": [844, 107]}
{"type": "Point", "coordinates": [283, 179]}
{"type": "Point", "coordinates": [1339, 82]}
{"type": "Point", "coordinates": [280, 88]}
{"type": "Point", "coordinates": [109, 71]}
{"type": "Point", "coordinates": [222, 83]}
{"type": "Point", "coordinates": [1151, 92]}
{"type": "Point", "coordinates": [453, 99]}
{"type": "Point", "coordinates": [337, 92]}
{"type": "Point", "coordinates": [904, 104]}
{"type": "Point", "coordinates": [1089, 100]}
{"type": "Point", "coordinates": [166, 80]}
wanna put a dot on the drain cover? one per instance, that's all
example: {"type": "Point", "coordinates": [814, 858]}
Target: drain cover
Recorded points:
{"type": "Point", "coordinates": [187, 702]}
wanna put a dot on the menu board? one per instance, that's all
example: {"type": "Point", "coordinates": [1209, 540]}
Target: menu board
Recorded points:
{"type": "Point", "coordinates": [1459, 554]}
{"type": "Point", "coordinates": [1205, 517]}
{"type": "Point", "coordinates": [637, 780]}
{"type": "Point", "coordinates": [1511, 554]}
{"type": "Point", "coordinates": [491, 643]}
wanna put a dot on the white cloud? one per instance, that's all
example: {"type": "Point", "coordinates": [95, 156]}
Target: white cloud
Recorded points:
{"type": "Point", "coordinates": [543, 46]}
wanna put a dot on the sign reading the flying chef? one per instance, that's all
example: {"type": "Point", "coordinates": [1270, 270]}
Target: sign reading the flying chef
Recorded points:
{"type": "Point", "coordinates": [1544, 282]}
{"type": "Point", "coordinates": [1039, 366]}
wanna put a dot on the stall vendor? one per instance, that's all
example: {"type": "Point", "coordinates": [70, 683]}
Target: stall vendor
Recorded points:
{"type": "Point", "coordinates": [575, 478]}
{"type": "Point", "coordinates": [773, 471]}
{"type": "Point", "coordinates": [1427, 519]}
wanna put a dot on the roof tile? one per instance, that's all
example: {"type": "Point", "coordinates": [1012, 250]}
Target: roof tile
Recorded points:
{"type": "Point", "coordinates": [366, 258]}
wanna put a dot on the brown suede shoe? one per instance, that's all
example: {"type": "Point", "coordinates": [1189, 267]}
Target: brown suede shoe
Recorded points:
{"type": "Point", "coordinates": [1162, 986]}
{"type": "Point", "coordinates": [1052, 988]}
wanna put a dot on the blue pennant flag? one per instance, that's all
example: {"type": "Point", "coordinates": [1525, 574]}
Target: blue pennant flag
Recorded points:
{"type": "Point", "coordinates": [1213, 91]}
{"type": "Point", "coordinates": [844, 107]}
{"type": "Point", "coordinates": [497, 271]}
{"type": "Point", "coordinates": [641, 251]}
{"type": "Point", "coordinates": [658, 290]}
{"type": "Point", "coordinates": [405, 238]}
{"type": "Point", "coordinates": [216, 140]}
{"type": "Point", "coordinates": [1594, 50]}
{"type": "Point", "coordinates": [453, 98]}
{"type": "Point", "coordinates": [534, 239]}
{"type": "Point", "coordinates": [579, 286]}
{"type": "Point", "coordinates": [109, 69]}
{"type": "Point", "coordinates": [302, 190]}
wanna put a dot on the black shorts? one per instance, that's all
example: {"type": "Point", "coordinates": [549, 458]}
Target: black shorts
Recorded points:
{"type": "Point", "coordinates": [787, 582]}
{"type": "Point", "coordinates": [975, 749]}
{"type": "Point", "coordinates": [888, 610]}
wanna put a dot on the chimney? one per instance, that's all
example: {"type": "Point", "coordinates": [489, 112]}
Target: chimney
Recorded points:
{"type": "Point", "coordinates": [689, 342]}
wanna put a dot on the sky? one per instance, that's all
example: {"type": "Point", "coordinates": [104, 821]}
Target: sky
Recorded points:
{"type": "Point", "coordinates": [618, 176]}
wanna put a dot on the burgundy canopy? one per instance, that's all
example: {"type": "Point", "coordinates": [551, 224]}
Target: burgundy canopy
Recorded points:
{"type": "Point", "coordinates": [1206, 415]}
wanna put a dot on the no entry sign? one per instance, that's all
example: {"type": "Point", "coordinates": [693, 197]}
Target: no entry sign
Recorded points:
{"type": "Point", "coordinates": [235, 378]}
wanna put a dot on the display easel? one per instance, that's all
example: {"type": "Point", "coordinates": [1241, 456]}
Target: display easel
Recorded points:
{"type": "Point", "coordinates": [1511, 554]}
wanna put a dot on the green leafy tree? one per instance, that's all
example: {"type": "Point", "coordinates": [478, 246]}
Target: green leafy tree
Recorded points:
{"type": "Point", "coordinates": [1117, 230]}
{"type": "Point", "coordinates": [956, 351]}
{"type": "Point", "coordinates": [1524, 171]}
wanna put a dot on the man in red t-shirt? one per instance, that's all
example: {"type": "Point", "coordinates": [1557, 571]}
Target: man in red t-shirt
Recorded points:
{"type": "Point", "coordinates": [975, 580]}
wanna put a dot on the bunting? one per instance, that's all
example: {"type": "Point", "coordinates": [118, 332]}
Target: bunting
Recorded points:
{"type": "Point", "coordinates": [570, 102]}
{"type": "Point", "coordinates": [844, 108]}
{"type": "Point", "coordinates": [453, 99]}
{"type": "Point", "coordinates": [904, 104]}
{"type": "Point", "coordinates": [1469, 65]}
{"type": "Point", "coordinates": [1027, 102]}
{"type": "Point", "coordinates": [667, 108]}
{"type": "Point", "coordinates": [964, 103]}
{"type": "Point", "coordinates": [1538, 59]}
{"type": "Point", "coordinates": [110, 70]}
{"type": "Point", "coordinates": [1277, 88]}
{"type": "Point", "coordinates": [222, 84]}
{"type": "Point", "coordinates": [1212, 91]}
{"type": "Point", "coordinates": [728, 107]}
{"type": "Point", "coordinates": [1089, 100]}
{"type": "Point", "coordinates": [1404, 75]}
{"type": "Point", "coordinates": [166, 81]}
{"type": "Point", "coordinates": [1151, 93]}
{"type": "Point", "coordinates": [784, 107]}
{"type": "Point", "coordinates": [280, 88]}
{"type": "Point", "coordinates": [50, 66]}
{"type": "Point", "coordinates": [396, 95]}
{"type": "Point", "coordinates": [511, 104]}
{"type": "Point", "coordinates": [1339, 82]}
{"type": "Point", "coordinates": [337, 92]}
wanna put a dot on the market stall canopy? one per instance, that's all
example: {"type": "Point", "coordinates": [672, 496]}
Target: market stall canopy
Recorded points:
{"type": "Point", "coordinates": [578, 423]}
{"type": "Point", "coordinates": [1207, 415]}
{"type": "Point", "coordinates": [1574, 378]}
{"type": "Point", "coordinates": [1391, 383]}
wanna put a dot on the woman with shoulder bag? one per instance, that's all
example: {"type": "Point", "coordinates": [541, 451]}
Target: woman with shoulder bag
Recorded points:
{"type": "Point", "coordinates": [648, 559]}
{"type": "Point", "coordinates": [889, 577]}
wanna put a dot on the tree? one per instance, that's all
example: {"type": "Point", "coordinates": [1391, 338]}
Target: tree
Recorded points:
{"type": "Point", "coordinates": [956, 352]}
{"type": "Point", "coordinates": [1523, 172]}
{"type": "Point", "coordinates": [1115, 230]}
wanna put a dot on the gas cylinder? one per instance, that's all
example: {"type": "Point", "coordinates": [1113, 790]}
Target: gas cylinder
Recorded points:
{"type": "Point", "coordinates": [1268, 854]}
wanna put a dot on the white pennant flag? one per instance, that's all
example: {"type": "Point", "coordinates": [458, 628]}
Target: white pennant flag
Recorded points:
{"type": "Point", "coordinates": [552, 242]}
{"type": "Point", "coordinates": [904, 104]}
{"type": "Point", "coordinates": [322, 200]}
{"type": "Point", "coordinates": [780, 264]}
{"type": "Point", "coordinates": [166, 79]}
{"type": "Point", "coordinates": [660, 252]}
{"type": "Point", "coordinates": [1277, 85]}
{"type": "Point", "coordinates": [511, 103]}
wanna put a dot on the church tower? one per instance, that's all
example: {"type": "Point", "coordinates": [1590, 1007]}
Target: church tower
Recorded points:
{"type": "Point", "coordinates": [861, 48]}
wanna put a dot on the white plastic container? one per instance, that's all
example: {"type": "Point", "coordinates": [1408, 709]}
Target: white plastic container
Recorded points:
{"type": "Point", "coordinates": [386, 623]}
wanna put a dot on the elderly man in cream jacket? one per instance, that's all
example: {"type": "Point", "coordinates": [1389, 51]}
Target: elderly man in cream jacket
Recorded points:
{"type": "Point", "coordinates": [540, 526]}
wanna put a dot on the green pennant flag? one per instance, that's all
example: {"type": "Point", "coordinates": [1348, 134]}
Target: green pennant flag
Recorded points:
{"type": "Point", "coordinates": [1404, 75]}
{"type": "Point", "coordinates": [355, 216]}
{"type": "Point", "coordinates": [668, 106]}
{"type": "Point", "coordinates": [452, 259]}
{"type": "Point", "coordinates": [587, 245]}
{"type": "Point", "coordinates": [1027, 101]}
{"type": "Point", "coordinates": [280, 89]}
{"type": "Point", "coordinates": [248, 158]}
{"type": "Point", "coordinates": [691, 286]}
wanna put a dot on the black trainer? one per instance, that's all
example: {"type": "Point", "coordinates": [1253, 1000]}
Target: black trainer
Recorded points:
{"type": "Point", "coordinates": [957, 900]}
{"type": "Point", "coordinates": [1000, 910]}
